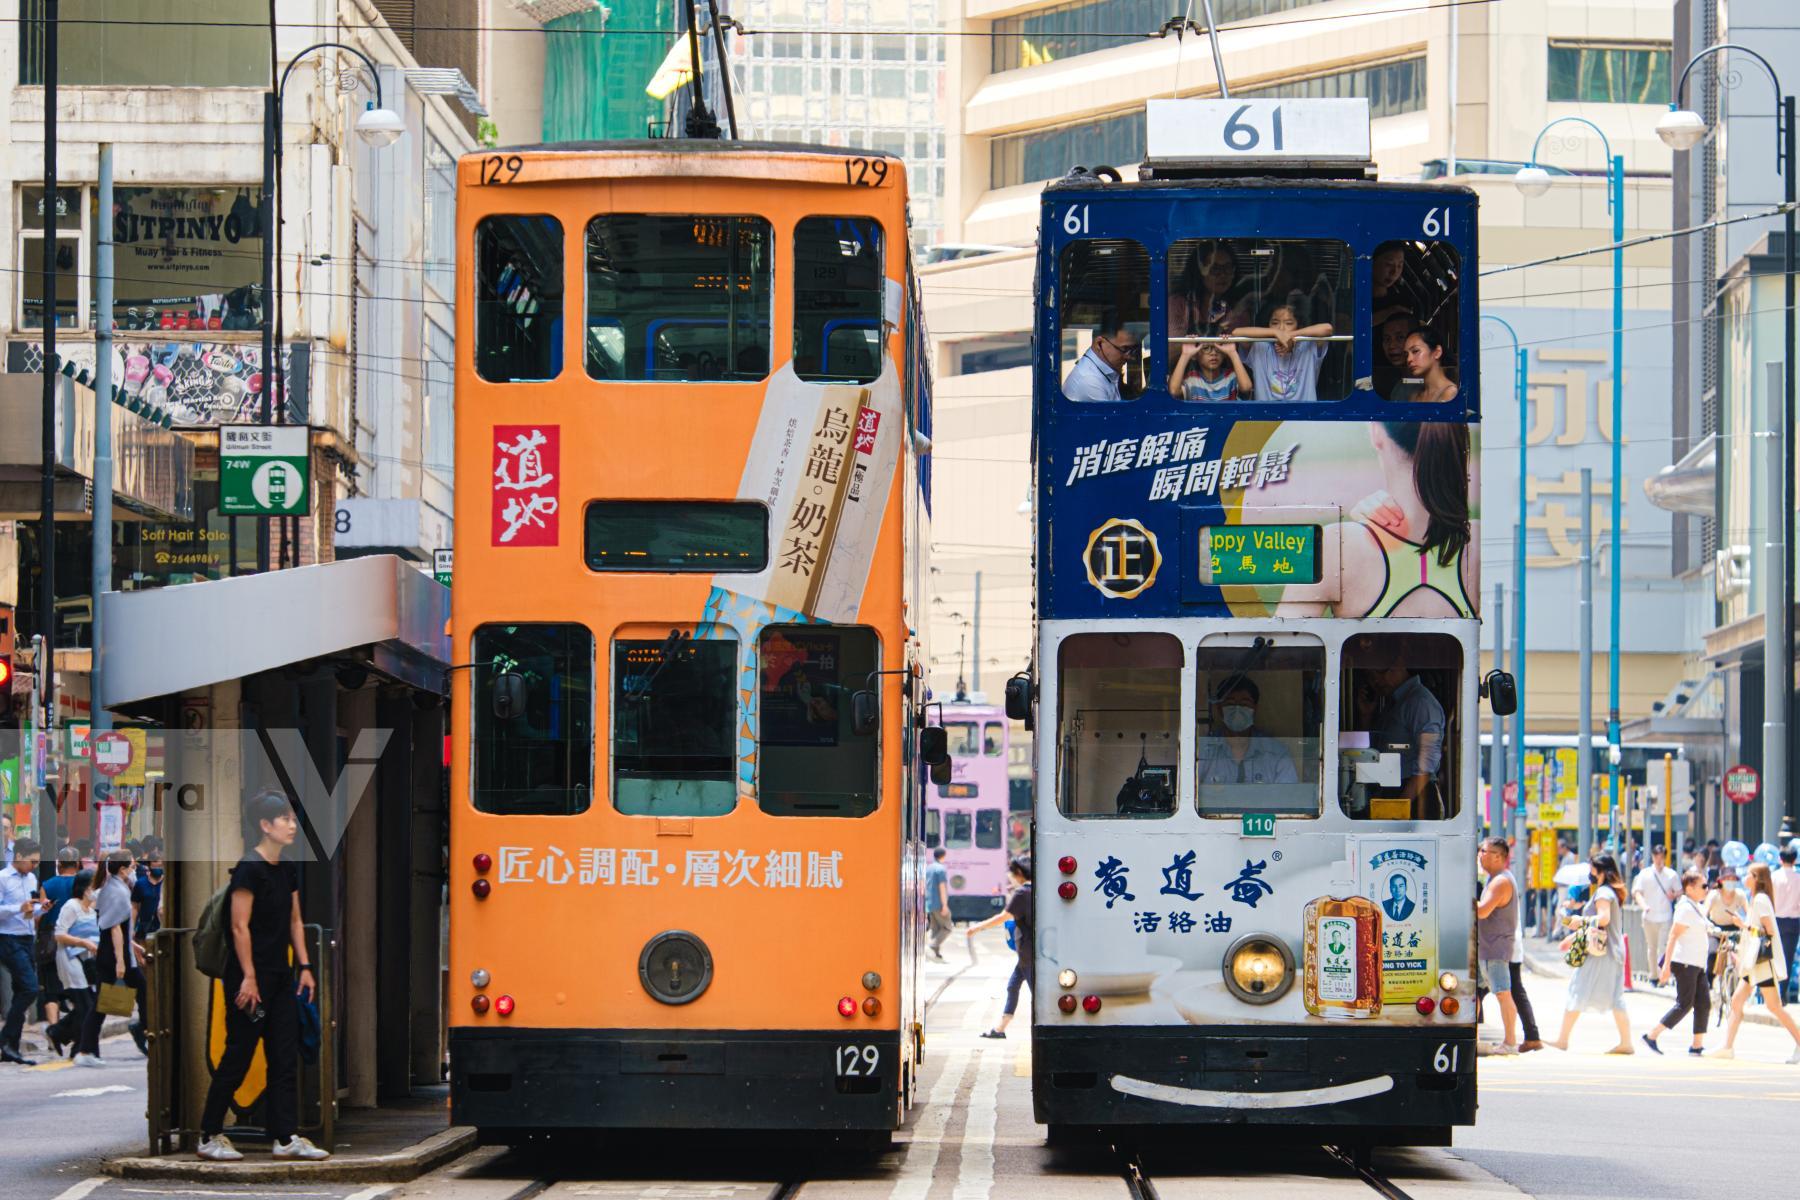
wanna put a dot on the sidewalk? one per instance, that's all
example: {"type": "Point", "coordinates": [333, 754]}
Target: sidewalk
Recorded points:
{"type": "Point", "coordinates": [1545, 959]}
{"type": "Point", "coordinates": [395, 1143]}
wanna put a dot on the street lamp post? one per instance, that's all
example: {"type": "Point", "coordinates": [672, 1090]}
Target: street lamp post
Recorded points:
{"type": "Point", "coordinates": [378, 127]}
{"type": "Point", "coordinates": [1533, 180]}
{"type": "Point", "coordinates": [1520, 389]}
{"type": "Point", "coordinates": [1683, 129]}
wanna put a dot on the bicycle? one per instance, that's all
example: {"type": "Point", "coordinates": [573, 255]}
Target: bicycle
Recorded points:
{"type": "Point", "coordinates": [1725, 972]}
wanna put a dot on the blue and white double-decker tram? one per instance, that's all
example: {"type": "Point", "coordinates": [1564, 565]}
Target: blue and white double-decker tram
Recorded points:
{"type": "Point", "coordinates": [1256, 661]}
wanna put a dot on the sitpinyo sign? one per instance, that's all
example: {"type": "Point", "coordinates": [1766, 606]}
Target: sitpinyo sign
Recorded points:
{"type": "Point", "coordinates": [1742, 784]}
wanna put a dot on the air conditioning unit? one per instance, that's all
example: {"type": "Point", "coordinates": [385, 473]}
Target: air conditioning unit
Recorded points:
{"type": "Point", "coordinates": [545, 11]}
{"type": "Point", "coordinates": [1731, 572]}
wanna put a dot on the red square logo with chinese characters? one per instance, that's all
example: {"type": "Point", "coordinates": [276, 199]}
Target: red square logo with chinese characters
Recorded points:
{"type": "Point", "coordinates": [526, 486]}
{"type": "Point", "coordinates": [868, 422]}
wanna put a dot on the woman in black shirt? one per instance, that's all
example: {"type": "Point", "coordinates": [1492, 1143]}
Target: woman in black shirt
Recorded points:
{"type": "Point", "coordinates": [1018, 907]}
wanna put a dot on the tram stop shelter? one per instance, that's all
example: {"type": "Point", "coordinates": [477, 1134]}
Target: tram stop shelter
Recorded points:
{"type": "Point", "coordinates": [327, 682]}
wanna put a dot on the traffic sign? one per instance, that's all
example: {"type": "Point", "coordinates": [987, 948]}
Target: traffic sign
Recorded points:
{"type": "Point", "coordinates": [263, 469]}
{"type": "Point", "coordinates": [112, 753]}
{"type": "Point", "coordinates": [79, 733]}
{"type": "Point", "coordinates": [1510, 793]}
{"type": "Point", "coordinates": [442, 562]}
{"type": "Point", "coordinates": [1742, 784]}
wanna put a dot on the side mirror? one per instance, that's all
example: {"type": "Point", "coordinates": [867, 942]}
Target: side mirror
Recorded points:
{"type": "Point", "coordinates": [940, 772]}
{"type": "Point", "coordinates": [865, 713]}
{"type": "Point", "coordinates": [508, 700]}
{"type": "Point", "coordinates": [934, 749]}
{"type": "Point", "coordinates": [1502, 693]}
{"type": "Point", "coordinates": [1018, 696]}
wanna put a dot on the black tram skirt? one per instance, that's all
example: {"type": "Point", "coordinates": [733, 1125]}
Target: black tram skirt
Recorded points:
{"type": "Point", "coordinates": [1410, 1084]}
{"type": "Point", "coordinates": [509, 1083]}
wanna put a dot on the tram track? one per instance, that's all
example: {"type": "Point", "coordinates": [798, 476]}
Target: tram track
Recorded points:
{"type": "Point", "coordinates": [1141, 1186]}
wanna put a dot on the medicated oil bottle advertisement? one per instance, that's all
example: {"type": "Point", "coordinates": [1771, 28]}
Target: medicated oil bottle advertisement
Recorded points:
{"type": "Point", "coordinates": [1170, 929]}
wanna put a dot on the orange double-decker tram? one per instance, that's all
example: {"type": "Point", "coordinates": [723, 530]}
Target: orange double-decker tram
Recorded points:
{"type": "Point", "coordinates": [692, 439]}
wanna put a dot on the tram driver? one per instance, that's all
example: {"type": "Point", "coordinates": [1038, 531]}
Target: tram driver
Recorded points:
{"type": "Point", "coordinates": [1242, 753]}
{"type": "Point", "coordinates": [1402, 716]}
{"type": "Point", "coordinates": [1096, 375]}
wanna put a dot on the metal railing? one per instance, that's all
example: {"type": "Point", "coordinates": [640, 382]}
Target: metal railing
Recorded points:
{"type": "Point", "coordinates": [174, 981]}
{"type": "Point", "coordinates": [1211, 340]}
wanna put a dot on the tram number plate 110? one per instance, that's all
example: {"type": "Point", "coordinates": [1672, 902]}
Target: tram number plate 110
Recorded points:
{"type": "Point", "coordinates": [1259, 825]}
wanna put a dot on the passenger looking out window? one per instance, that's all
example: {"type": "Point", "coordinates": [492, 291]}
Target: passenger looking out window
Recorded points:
{"type": "Point", "coordinates": [1393, 381]}
{"type": "Point", "coordinates": [1097, 373]}
{"type": "Point", "coordinates": [1205, 298]}
{"type": "Point", "coordinates": [1389, 296]}
{"type": "Point", "coordinates": [1210, 371]}
{"type": "Point", "coordinates": [1425, 361]}
{"type": "Point", "coordinates": [1286, 367]}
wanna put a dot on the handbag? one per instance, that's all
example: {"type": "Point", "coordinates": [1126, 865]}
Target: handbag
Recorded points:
{"type": "Point", "coordinates": [116, 1000]}
{"type": "Point", "coordinates": [1575, 947]}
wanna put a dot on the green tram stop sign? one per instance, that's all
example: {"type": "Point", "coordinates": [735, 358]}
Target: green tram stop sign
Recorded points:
{"type": "Point", "coordinates": [264, 470]}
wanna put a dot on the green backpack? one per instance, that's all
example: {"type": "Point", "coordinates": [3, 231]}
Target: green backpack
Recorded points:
{"type": "Point", "coordinates": [212, 938]}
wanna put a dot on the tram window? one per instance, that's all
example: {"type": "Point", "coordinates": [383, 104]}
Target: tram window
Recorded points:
{"type": "Point", "coordinates": [1259, 714]}
{"type": "Point", "coordinates": [993, 739]}
{"type": "Point", "coordinates": [1263, 289]}
{"type": "Point", "coordinates": [675, 726]}
{"type": "Point", "coordinates": [838, 291]}
{"type": "Point", "coordinates": [1415, 290]}
{"type": "Point", "coordinates": [540, 762]}
{"type": "Point", "coordinates": [1106, 307]}
{"type": "Point", "coordinates": [934, 825]}
{"type": "Point", "coordinates": [518, 298]}
{"type": "Point", "coordinates": [679, 298]}
{"type": "Point", "coordinates": [990, 829]}
{"type": "Point", "coordinates": [1399, 744]}
{"type": "Point", "coordinates": [676, 535]}
{"type": "Point", "coordinates": [1118, 707]}
{"type": "Point", "coordinates": [810, 761]}
{"type": "Point", "coordinates": [958, 827]}
{"type": "Point", "coordinates": [965, 738]}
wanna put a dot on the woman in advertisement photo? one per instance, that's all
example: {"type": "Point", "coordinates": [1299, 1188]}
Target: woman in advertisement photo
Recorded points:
{"type": "Point", "coordinates": [1410, 548]}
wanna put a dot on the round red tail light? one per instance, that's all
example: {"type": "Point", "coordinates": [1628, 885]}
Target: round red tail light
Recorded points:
{"type": "Point", "coordinates": [846, 1008]}
{"type": "Point", "coordinates": [1426, 1005]}
{"type": "Point", "coordinates": [1066, 890]}
{"type": "Point", "coordinates": [479, 1004]}
{"type": "Point", "coordinates": [1091, 1003]}
{"type": "Point", "coordinates": [1066, 1003]}
{"type": "Point", "coordinates": [1449, 1006]}
{"type": "Point", "coordinates": [871, 1006]}
{"type": "Point", "coordinates": [504, 1006]}
{"type": "Point", "coordinates": [1066, 864]}
{"type": "Point", "coordinates": [483, 864]}
{"type": "Point", "coordinates": [481, 888]}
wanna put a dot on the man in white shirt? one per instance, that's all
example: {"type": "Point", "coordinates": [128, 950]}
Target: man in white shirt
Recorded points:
{"type": "Point", "coordinates": [1095, 375]}
{"type": "Point", "coordinates": [1787, 911]}
{"type": "Point", "coordinates": [1655, 889]}
{"type": "Point", "coordinates": [20, 907]}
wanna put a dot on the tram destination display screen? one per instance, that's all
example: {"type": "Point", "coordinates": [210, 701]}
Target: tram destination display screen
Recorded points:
{"type": "Point", "coordinates": [1253, 554]}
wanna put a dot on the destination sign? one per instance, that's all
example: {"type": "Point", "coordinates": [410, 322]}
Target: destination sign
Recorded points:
{"type": "Point", "coordinates": [1277, 554]}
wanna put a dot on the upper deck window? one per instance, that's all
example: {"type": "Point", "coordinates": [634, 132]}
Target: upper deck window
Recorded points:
{"type": "Point", "coordinates": [810, 760]}
{"type": "Point", "coordinates": [1414, 295]}
{"type": "Point", "coordinates": [679, 298]}
{"type": "Point", "coordinates": [1105, 315]}
{"type": "Point", "coordinates": [1399, 745]}
{"type": "Point", "coordinates": [1260, 714]}
{"type": "Point", "coordinates": [993, 739]}
{"type": "Point", "coordinates": [540, 760]}
{"type": "Point", "coordinates": [838, 289]}
{"type": "Point", "coordinates": [518, 298]}
{"type": "Point", "coordinates": [965, 738]}
{"type": "Point", "coordinates": [1118, 703]}
{"type": "Point", "coordinates": [1283, 301]}
{"type": "Point", "coordinates": [675, 726]}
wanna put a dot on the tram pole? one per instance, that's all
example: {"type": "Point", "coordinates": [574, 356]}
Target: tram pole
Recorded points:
{"type": "Point", "coordinates": [1584, 776]}
{"type": "Point", "coordinates": [1497, 748]}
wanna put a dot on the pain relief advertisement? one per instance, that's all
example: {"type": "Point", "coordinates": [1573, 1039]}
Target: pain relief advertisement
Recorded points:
{"type": "Point", "coordinates": [1189, 515]}
{"type": "Point", "coordinates": [1159, 924]}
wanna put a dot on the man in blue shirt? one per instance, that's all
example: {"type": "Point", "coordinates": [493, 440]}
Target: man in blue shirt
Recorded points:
{"type": "Point", "coordinates": [937, 902]}
{"type": "Point", "coordinates": [1411, 721]}
{"type": "Point", "coordinates": [20, 907]}
{"type": "Point", "coordinates": [57, 890]}
{"type": "Point", "coordinates": [1095, 375]}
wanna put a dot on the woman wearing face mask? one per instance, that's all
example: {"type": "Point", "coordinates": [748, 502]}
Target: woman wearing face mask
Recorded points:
{"type": "Point", "coordinates": [1599, 982]}
{"type": "Point", "coordinates": [1769, 968]}
{"type": "Point", "coordinates": [77, 940]}
{"type": "Point", "coordinates": [1239, 752]}
{"type": "Point", "coordinates": [1685, 959]}
{"type": "Point", "coordinates": [115, 961]}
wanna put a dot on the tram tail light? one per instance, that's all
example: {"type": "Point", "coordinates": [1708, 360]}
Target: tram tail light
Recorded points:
{"type": "Point", "coordinates": [1090, 1004]}
{"type": "Point", "coordinates": [504, 1006]}
{"type": "Point", "coordinates": [871, 1006]}
{"type": "Point", "coordinates": [479, 1003]}
{"type": "Point", "coordinates": [1066, 1003]}
{"type": "Point", "coordinates": [1066, 864]}
{"type": "Point", "coordinates": [483, 864]}
{"type": "Point", "coordinates": [1066, 890]}
{"type": "Point", "coordinates": [846, 1008]}
{"type": "Point", "coordinates": [1426, 1005]}
{"type": "Point", "coordinates": [1449, 1006]}
{"type": "Point", "coordinates": [481, 888]}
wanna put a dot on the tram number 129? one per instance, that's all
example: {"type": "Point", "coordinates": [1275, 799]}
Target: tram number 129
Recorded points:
{"type": "Point", "coordinates": [857, 1061]}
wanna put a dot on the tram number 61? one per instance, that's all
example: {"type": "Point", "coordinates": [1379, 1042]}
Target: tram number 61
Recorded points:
{"type": "Point", "coordinates": [1240, 135]}
{"type": "Point", "coordinates": [857, 1060]}
{"type": "Point", "coordinates": [1445, 1061]}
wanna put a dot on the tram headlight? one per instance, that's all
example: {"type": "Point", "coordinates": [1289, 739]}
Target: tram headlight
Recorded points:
{"type": "Point", "coordinates": [1258, 968]}
{"type": "Point", "coordinates": [1065, 978]}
